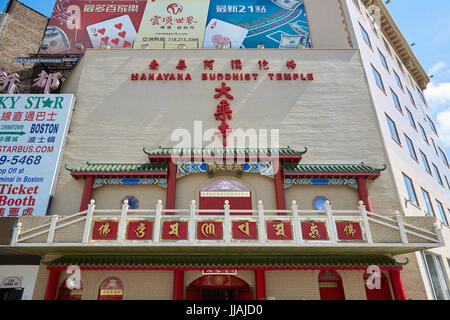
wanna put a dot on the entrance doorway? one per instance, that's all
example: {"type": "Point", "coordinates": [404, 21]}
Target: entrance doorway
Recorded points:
{"type": "Point", "coordinates": [219, 287]}
{"type": "Point", "coordinates": [214, 194]}
{"type": "Point", "coordinates": [11, 294]}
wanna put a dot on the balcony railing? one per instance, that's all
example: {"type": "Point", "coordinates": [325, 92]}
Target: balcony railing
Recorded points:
{"type": "Point", "coordinates": [229, 228]}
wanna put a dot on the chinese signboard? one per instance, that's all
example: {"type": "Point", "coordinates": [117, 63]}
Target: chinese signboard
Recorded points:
{"type": "Point", "coordinates": [32, 133]}
{"type": "Point", "coordinates": [168, 24]}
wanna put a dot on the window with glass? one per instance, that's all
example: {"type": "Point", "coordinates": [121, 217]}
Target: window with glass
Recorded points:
{"type": "Point", "coordinates": [448, 184]}
{"type": "Point", "coordinates": [411, 118]}
{"type": "Point", "coordinates": [396, 101]}
{"type": "Point", "coordinates": [422, 97]}
{"type": "Point", "coordinates": [432, 125]}
{"type": "Point", "coordinates": [399, 64]}
{"type": "Point", "coordinates": [132, 202]}
{"type": "Point", "coordinates": [383, 60]}
{"type": "Point", "coordinates": [411, 98]}
{"type": "Point", "coordinates": [442, 212]}
{"type": "Point", "coordinates": [434, 145]}
{"type": "Point", "coordinates": [436, 276]}
{"type": "Point", "coordinates": [410, 188]}
{"type": "Point", "coordinates": [425, 162]}
{"type": "Point", "coordinates": [438, 175]}
{"type": "Point", "coordinates": [411, 149]}
{"type": "Point", "coordinates": [386, 45]}
{"type": "Point", "coordinates": [365, 36]}
{"type": "Point", "coordinates": [443, 156]}
{"type": "Point", "coordinates": [426, 197]}
{"type": "Point", "coordinates": [393, 129]}
{"type": "Point", "coordinates": [422, 131]}
{"type": "Point", "coordinates": [378, 78]}
{"type": "Point", "coordinates": [397, 78]}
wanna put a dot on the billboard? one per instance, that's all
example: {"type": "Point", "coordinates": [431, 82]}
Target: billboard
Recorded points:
{"type": "Point", "coordinates": [33, 129]}
{"type": "Point", "coordinates": [169, 23]}
{"type": "Point", "coordinates": [91, 23]}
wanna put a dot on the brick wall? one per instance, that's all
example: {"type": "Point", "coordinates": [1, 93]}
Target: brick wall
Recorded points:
{"type": "Point", "coordinates": [23, 34]}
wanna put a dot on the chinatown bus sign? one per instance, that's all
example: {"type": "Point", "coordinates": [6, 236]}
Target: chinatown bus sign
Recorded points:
{"type": "Point", "coordinates": [32, 133]}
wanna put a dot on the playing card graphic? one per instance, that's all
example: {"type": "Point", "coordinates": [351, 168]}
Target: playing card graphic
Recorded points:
{"type": "Point", "coordinates": [118, 33]}
{"type": "Point", "coordinates": [220, 33]}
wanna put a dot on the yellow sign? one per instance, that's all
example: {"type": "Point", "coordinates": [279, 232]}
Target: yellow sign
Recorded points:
{"type": "Point", "coordinates": [208, 229]}
{"type": "Point", "coordinates": [174, 230]}
{"type": "Point", "coordinates": [279, 230]}
{"type": "Point", "coordinates": [111, 292]}
{"type": "Point", "coordinates": [104, 229]}
{"type": "Point", "coordinates": [245, 228]}
{"type": "Point", "coordinates": [350, 230]}
{"type": "Point", "coordinates": [140, 230]}
{"type": "Point", "coordinates": [313, 231]}
{"type": "Point", "coordinates": [168, 24]}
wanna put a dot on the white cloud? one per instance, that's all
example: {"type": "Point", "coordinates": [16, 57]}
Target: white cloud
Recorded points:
{"type": "Point", "coordinates": [443, 119]}
{"type": "Point", "coordinates": [437, 67]}
{"type": "Point", "coordinates": [438, 95]}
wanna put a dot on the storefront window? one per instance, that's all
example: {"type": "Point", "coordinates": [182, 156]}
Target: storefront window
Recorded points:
{"type": "Point", "coordinates": [436, 276]}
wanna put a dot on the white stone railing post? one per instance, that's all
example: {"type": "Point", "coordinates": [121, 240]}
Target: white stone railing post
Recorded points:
{"type": "Point", "coordinates": [365, 221]}
{"type": "Point", "coordinates": [297, 229]}
{"type": "Point", "coordinates": [88, 222]}
{"type": "Point", "coordinates": [261, 224]}
{"type": "Point", "coordinates": [332, 223]}
{"type": "Point", "coordinates": [16, 233]}
{"type": "Point", "coordinates": [123, 221]}
{"type": "Point", "coordinates": [51, 229]}
{"type": "Point", "coordinates": [191, 225]}
{"type": "Point", "coordinates": [401, 226]}
{"type": "Point", "coordinates": [227, 222]}
{"type": "Point", "coordinates": [438, 230]}
{"type": "Point", "coordinates": [157, 224]}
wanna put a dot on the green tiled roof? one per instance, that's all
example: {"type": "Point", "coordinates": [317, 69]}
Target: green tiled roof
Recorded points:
{"type": "Point", "coordinates": [331, 168]}
{"type": "Point", "coordinates": [120, 167]}
{"type": "Point", "coordinates": [241, 261]}
{"type": "Point", "coordinates": [160, 151]}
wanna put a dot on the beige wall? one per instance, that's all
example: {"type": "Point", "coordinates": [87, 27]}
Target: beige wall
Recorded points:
{"type": "Point", "coordinates": [115, 117]}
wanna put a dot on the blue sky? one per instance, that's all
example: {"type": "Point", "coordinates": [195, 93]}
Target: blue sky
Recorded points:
{"type": "Point", "coordinates": [427, 23]}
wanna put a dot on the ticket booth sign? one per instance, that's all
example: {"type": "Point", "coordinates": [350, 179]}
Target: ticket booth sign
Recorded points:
{"type": "Point", "coordinates": [279, 230]}
{"type": "Point", "coordinates": [244, 230]}
{"type": "Point", "coordinates": [174, 230]}
{"type": "Point", "coordinates": [140, 230]}
{"type": "Point", "coordinates": [349, 230]}
{"type": "Point", "coordinates": [210, 230]}
{"type": "Point", "coordinates": [105, 230]}
{"type": "Point", "coordinates": [314, 230]}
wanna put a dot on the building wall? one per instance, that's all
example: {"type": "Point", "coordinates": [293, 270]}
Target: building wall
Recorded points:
{"type": "Point", "coordinates": [23, 35]}
{"type": "Point", "coordinates": [26, 273]}
{"type": "Point", "coordinates": [115, 117]}
{"type": "Point", "coordinates": [399, 156]}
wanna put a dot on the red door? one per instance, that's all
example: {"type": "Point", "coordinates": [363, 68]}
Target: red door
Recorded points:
{"type": "Point", "coordinates": [330, 285]}
{"type": "Point", "coordinates": [213, 196]}
{"type": "Point", "coordinates": [383, 293]}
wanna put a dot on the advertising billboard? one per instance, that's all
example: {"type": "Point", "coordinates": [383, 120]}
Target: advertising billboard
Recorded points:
{"type": "Point", "coordinates": [33, 129]}
{"type": "Point", "coordinates": [92, 23]}
{"type": "Point", "coordinates": [166, 24]}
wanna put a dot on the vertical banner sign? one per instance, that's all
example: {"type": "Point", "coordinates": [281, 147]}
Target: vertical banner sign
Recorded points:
{"type": "Point", "coordinates": [91, 23]}
{"type": "Point", "coordinates": [32, 133]}
{"type": "Point", "coordinates": [169, 23]}
{"type": "Point", "coordinates": [248, 23]}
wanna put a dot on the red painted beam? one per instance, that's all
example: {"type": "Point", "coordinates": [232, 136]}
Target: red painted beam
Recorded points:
{"type": "Point", "coordinates": [52, 284]}
{"type": "Point", "coordinates": [260, 284]}
{"type": "Point", "coordinates": [397, 285]}
{"type": "Point", "coordinates": [224, 158]}
{"type": "Point", "coordinates": [87, 193]}
{"type": "Point", "coordinates": [171, 186]}
{"type": "Point", "coordinates": [364, 193]}
{"type": "Point", "coordinates": [178, 285]}
{"type": "Point", "coordinates": [279, 186]}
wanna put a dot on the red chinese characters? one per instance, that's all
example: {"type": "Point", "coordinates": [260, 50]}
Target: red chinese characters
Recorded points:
{"type": "Point", "coordinates": [223, 112]}
{"type": "Point", "coordinates": [244, 230]}
{"type": "Point", "coordinates": [140, 230]}
{"type": "Point", "coordinates": [349, 230]}
{"type": "Point", "coordinates": [314, 230]}
{"type": "Point", "coordinates": [181, 65]}
{"type": "Point", "coordinates": [105, 230]}
{"type": "Point", "coordinates": [279, 230]}
{"type": "Point", "coordinates": [209, 230]}
{"type": "Point", "coordinates": [174, 230]}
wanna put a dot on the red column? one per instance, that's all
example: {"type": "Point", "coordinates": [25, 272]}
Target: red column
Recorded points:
{"type": "Point", "coordinates": [397, 285]}
{"type": "Point", "coordinates": [260, 283]}
{"type": "Point", "coordinates": [171, 185]}
{"type": "Point", "coordinates": [87, 192]}
{"type": "Point", "coordinates": [279, 186]}
{"type": "Point", "coordinates": [364, 193]}
{"type": "Point", "coordinates": [178, 284]}
{"type": "Point", "coordinates": [52, 284]}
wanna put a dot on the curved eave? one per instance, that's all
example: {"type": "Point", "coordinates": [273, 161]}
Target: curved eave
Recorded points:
{"type": "Point", "coordinates": [368, 175]}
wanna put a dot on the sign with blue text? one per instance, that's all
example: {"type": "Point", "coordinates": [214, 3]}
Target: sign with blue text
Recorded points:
{"type": "Point", "coordinates": [33, 130]}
